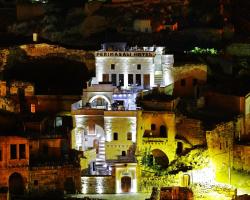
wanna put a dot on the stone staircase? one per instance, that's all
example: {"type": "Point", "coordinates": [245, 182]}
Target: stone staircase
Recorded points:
{"type": "Point", "coordinates": [158, 77]}
{"type": "Point", "coordinates": [100, 159]}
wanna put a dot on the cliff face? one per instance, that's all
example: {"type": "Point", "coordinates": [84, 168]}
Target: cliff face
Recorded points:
{"type": "Point", "coordinates": [53, 69]}
{"type": "Point", "coordinates": [33, 51]}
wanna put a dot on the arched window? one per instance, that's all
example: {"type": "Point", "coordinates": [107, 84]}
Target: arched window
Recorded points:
{"type": "Point", "coordinates": [153, 127]}
{"type": "Point", "coordinates": [163, 131]}
{"type": "Point", "coordinates": [115, 136]}
{"type": "Point", "coordinates": [129, 136]}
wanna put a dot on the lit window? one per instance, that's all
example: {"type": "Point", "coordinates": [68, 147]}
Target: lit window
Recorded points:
{"type": "Point", "coordinates": [115, 136]}
{"type": "Point", "coordinates": [112, 66]}
{"type": "Point", "coordinates": [13, 151]}
{"type": "Point", "coordinates": [138, 66]}
{"type": "Point", "coordinates": [32, 108]}
{"type": "Point", "coordinates": [129, 136]}
{"type": "Point", "coordinates": [183, 82]}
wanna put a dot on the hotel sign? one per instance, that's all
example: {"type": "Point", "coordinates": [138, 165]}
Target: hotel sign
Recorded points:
{"type": "Point", "coordinates": [124, 54]}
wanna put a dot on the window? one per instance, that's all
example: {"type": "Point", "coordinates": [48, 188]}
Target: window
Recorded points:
{"type": "Point", "coordinates": [59, 121]}
{"type": "Point", "coordinates": [112, 66]}
{"type": "Point", "coordinates": [115, 136]}
{"type": "Point", "coordinates": [129, 136]}
{"type": "Point", "coordinates": [138, 79]}
{"type": "Point", "coordinates": [113, 79]}
{"type": "Point", "coordinates": [32, 108]}
{"type": "Point", "coordinates": [153, 127]}
{"type": "Point", "coordinates": [163, 131]}
{"type": "Point", "coordinates": [22, 151]}
{"type": "Point", "coordinates": [138, 66]}
{"type": "Point", "coordinates": [130, 79]}
{"type": "Point", "coordinates": [179, 148]}
{"type": "Point", "coordinates": [1, 154]}
{"type": "Point", "coordinates": [183, 82]}
{"type": "Point", "coordinates": [105, 78]}
{"type": "Point", "coordinates": [121, 79]}
{"type": "Point", "coordinates": [195, 81]}
{"type": "Point", "coordinates": [13, 151]}
{"type": "Point", "coordinates": [123, 153]}
{"type": "Point", "coordinates": [36, 182]}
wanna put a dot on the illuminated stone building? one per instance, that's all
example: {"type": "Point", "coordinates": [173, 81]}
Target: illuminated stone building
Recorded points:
{"type": "Point", "coordinates": [125, 67]}
{"type": "Point", "coordinates": [110, 128]}
{"type": "Point", "coordinates": [38, 158]}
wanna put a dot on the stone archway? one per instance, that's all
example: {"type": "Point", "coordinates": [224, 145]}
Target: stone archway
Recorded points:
{"type": "Point", "coordinates": [160, 158]}
{"type": "Point", "coordinates": [16, 184]}
{"type": "Point", "coordinates": [126, 183]}
{"type": "Point", "coordinates": [100, 101]}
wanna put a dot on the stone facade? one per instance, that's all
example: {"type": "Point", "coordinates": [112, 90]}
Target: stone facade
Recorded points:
{"type": "Point", "coordinates": [188, 79]}
{"type": "Point", "coordinates": [98, 184]}
{"type": "Point", "coordinates": [14, 154]}
{"type": "Point", "coordinates": [142, 67]}
{"type": "Point", "coordinates": [149, 128]}
{"type": "Point", "coordinates": [23, 166]}
{"type": "Point", "coordinates": [241, 157]}
{"type": "Point", "coordinates": [50, 178]}
{"type": "Point", "coordinates": [190, 130]}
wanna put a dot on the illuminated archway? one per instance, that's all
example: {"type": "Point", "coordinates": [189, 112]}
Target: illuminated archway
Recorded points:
{"type": "Point", "coordinates": [97, 102]}
{"type": "Point", "coordinates": [160, 158]}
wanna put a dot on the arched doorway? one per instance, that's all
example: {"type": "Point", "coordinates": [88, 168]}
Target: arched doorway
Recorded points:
{"type": "Point", "coordinates": [16, 184]}
{"type": "Point", "coordinates": [100, 102]}
{"type": "Point", "coordinates": [163, 131]}
{"type": "Point", "coordinates": [160, 158]}
{"type": "Point", "coordinates": [126, 184]}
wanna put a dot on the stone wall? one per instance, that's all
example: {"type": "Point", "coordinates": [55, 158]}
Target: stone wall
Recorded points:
{"type": "Point", "coordinates": [148, 182]}
{"type": "Point", "coordinates": [190, 130]}
{"type": "Point", "coordinates": [18, 165]}
{"type": "Point", "coordinates": [28, 11]}
{"type": "Point", "coordinates": [45, 50]}
{"type": "Point", "coordinates": [51, 178]}
{"type": "Point", "coordinates": [193, 75]}
{"type": "Point", "coordinates": [98, 184]}
{"type": "Point", "coordinates": [229, 103]}
{"type": "Point", "coordinates": [241, 157]}
{"type": "Point", "coordinates": [9, 104]}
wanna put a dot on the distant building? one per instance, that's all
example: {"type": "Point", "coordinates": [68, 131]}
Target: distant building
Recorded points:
{"type": "Point", "coordinates": [142, 25]}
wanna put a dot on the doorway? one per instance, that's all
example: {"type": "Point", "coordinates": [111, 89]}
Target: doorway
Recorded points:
{"type": "Point", "coordinates": [126, 184]}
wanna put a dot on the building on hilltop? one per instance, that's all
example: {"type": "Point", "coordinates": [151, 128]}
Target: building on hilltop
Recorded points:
{"type": "Point", "coordinates": [126, 112]}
